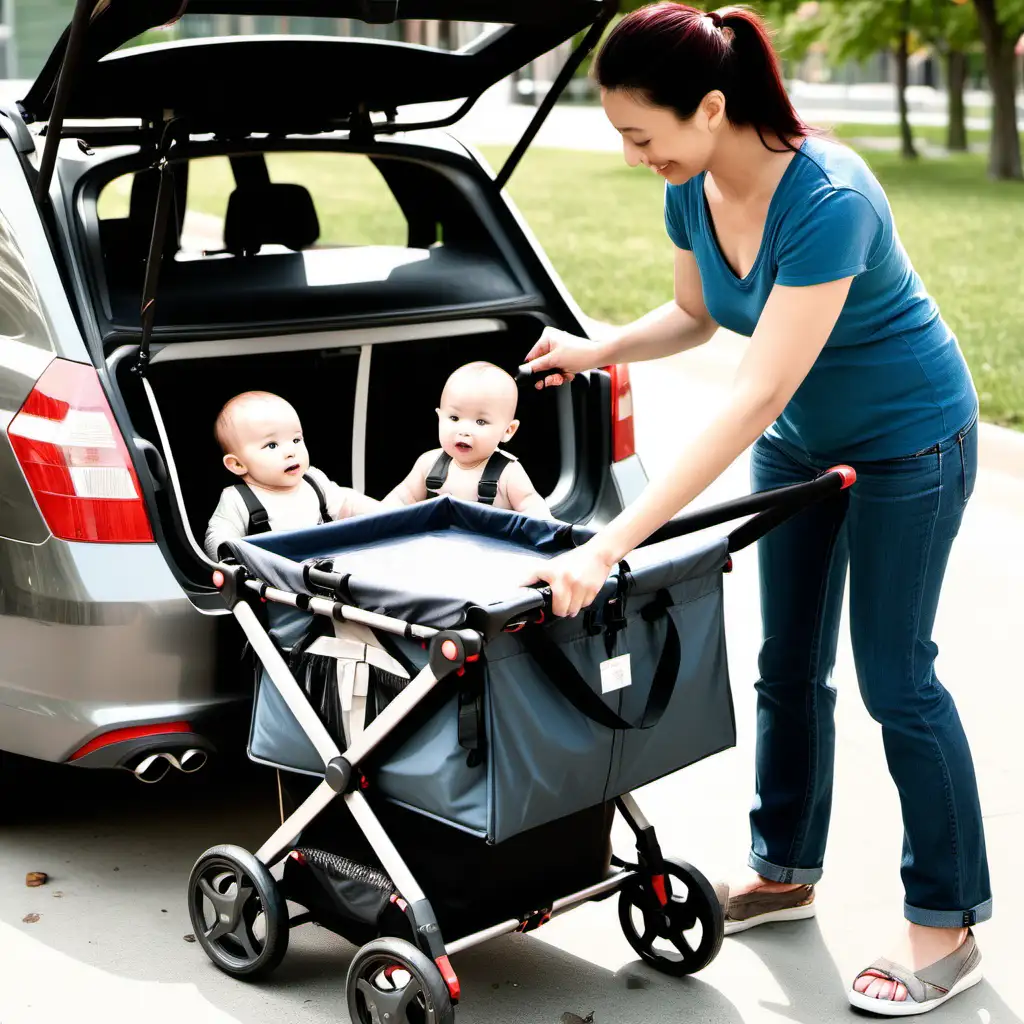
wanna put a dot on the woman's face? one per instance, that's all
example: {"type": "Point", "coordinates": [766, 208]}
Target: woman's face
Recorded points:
{"type": "Point", "coordinates": [656, 137]}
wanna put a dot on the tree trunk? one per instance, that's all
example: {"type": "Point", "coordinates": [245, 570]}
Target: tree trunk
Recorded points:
{"type": "Point", "coordinates": [902, 57]}
{"type": "Point", "coordinates": [1004, 149]}
{"type": "Point", "coordinates": [956, 77]}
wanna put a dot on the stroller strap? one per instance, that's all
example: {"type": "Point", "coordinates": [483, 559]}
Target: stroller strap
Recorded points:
{"type": "Point", "coordinates": [259, 521]}
{"type": "Point", "coordinates": [564, 676]}
{"type": "Point", "coordinates": [486, 488]}
{"type": "Point", "coordinates": [352, 650]}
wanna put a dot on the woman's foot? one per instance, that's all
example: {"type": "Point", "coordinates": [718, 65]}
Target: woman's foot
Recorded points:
{"type": "Point", "coordinates": [755, 900]}
{"type": "Point", "coordinates": [919, 946]}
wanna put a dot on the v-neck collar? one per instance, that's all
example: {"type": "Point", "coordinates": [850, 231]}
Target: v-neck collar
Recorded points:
{"type": "Point", "coordinates": [709, 223]}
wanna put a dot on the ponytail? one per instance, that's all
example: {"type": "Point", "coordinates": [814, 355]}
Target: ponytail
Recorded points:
{"type": "Point", "coordinates": [674, 55]}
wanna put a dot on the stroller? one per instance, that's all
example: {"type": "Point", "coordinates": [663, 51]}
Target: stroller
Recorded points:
{"type": "Point", "coordinates": [455, 754]}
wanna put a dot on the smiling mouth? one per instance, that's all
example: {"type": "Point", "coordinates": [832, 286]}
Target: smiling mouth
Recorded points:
{"type": "Point", "coordinates": [293, 468]}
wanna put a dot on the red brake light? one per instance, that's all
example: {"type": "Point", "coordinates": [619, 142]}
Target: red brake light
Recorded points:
{"type": "Point", "coordinates": [73, 456]}
{"type": "Point", "coordinates": [623, 443]}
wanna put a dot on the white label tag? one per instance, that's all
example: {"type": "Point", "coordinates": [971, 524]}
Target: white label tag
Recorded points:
{"type": "Point", "coordinates": [615, 673]}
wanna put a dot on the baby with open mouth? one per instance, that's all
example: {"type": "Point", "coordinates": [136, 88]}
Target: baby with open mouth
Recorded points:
{"type": "Point", "coordinates": [476, 414]}
{"type": "Point", "coordinates": [261, 437]}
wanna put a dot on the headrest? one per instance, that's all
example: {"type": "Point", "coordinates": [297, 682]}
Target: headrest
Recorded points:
{"type": "Point", "coordinates": [268, 214]}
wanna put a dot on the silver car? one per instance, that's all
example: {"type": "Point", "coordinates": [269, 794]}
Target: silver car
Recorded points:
{"type": "Point", "coordinates": [185, 220]}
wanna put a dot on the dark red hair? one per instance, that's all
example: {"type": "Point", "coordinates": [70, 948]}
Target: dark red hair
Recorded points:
{"type": "Point", "coordinates": [673, 55]}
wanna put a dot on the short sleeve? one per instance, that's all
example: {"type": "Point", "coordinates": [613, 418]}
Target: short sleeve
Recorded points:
{"type": "Point", "coordinates": [832, 240]}
{"type": "Point", "coordinates": [675, 221]}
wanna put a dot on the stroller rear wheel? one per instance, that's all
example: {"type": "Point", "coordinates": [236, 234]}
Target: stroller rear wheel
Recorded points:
{"type": "Point", "coordinates": [391, 982]}
{"type": "Point", "coordinates": [681, 936]}
{"type": "Point", "coordinates": [237, 913]}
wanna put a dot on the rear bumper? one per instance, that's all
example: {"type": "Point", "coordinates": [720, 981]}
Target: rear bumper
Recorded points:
{"type": "Point", "coordinates": [101, 637]}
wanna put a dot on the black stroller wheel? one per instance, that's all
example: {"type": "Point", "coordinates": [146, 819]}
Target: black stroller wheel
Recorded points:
{"type": "Point", "coordinates": [681, 937]}
{"type": "Point", "coordinates": [237, 913]}
{"type": "Point", "coordinates": [391, 982]}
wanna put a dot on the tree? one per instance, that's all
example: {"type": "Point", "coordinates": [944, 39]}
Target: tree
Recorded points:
{"type": "Point", "coordinates": [1001, 23]}
{"type": "Point", "coordinates": [858, 29]}
{"type": "Point", "coordinates": [953, 33]}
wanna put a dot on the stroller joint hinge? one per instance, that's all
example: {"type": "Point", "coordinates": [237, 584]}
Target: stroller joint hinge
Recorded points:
{"type": "Point", "coordinates": [534, 920]}
{"type": "Point", "coordinates": [451, 649]}
{"type": "Point", "coordinates": [230, 581]}
{"type": "Point", "coordinates": [338, 775]}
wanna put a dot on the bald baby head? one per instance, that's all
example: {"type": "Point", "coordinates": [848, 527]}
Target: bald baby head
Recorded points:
{"type": "Point", "coordinates": [477, 412]}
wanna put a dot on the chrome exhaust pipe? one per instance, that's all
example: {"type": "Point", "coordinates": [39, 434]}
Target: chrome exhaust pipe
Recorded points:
{"type": "Point", "coordinates": [152, 767]}
{"type": "Point", "coordinates": [191, 761]}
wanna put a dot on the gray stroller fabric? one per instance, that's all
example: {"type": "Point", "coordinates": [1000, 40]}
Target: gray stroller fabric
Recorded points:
{"type": "Point", "coordinates": [573, 712]}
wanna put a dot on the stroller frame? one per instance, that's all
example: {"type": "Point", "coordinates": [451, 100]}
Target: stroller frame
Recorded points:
{"type": "Point", "coordinates": [645, 885]}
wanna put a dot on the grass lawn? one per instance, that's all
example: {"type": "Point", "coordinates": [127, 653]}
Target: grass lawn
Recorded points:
{"type": "Point", "coordinates": [601, 225]}
{"type": "Point", "coordinates": [930, 133]}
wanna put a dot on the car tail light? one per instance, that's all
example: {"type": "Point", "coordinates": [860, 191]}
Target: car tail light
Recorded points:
{"type": "Point", "coordinates": [623, 444]}
{"type": "Point", "coordinates": [75, 460]}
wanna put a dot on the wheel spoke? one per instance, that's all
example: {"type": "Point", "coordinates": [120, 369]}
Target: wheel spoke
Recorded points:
{"type": "Point", "coordinates": [679, 940]}
{"type": "Point", "coordinates": [368, 991]}
{"type": "Point", "coordinates": [208, 891]}
{"type": "Point", "coordinates": [649, 935]}
{"type": "Point", "coordinates": [243, 934]}
{"type": "Point", "coordinates": [409, 993]}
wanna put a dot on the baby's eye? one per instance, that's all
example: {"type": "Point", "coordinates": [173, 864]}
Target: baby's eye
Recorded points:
{"type": "Point", "coordinates": [296, 440]}
{"type": "Point", "coordinates": [454, 418]}
{"type": "Point", "coordinates": [481, 423]}
{"type": "Point", "coordinates": [641, 145]}
{"type": "Point", "coordinates": [271, 445]}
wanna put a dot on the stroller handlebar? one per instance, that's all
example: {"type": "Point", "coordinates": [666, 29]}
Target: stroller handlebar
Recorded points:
{"type": "Point", "coordinates": [769, 509]}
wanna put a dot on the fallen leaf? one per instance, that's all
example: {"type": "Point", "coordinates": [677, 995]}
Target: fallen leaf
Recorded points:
{"type": "Point", "coordinates": [30, 919]}
{"type": "Point", "coordinates": [190, 938]}
{"type": "Point", "coordinates": [36, 878]}
{"type": "Point", "coordinates": [573, 1018]}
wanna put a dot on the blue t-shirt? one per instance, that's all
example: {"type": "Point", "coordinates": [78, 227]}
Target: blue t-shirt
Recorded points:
{"type": "Point", "coordinates": [891, 379]}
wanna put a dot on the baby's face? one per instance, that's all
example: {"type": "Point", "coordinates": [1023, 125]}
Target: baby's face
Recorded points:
{"type": "Point", "coordinates": [474, 418]}
{"type": "Point", "coordinates": [268, 448]}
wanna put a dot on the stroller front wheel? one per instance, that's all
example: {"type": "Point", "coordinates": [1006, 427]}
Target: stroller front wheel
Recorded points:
{"type": "Point", "coordinates": [680, 936]}
{"type": "Point", "coordinates": [237, 912]}
{"type": "Point", "coordinates": [391, 981]}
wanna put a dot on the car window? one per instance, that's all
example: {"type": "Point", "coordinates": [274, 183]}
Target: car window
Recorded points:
{"type": "Point", "coordinates": [353, 203]}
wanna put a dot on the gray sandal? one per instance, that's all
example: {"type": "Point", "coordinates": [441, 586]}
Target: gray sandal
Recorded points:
{"type": "Point", "coordinates": [760, 907]}
{"type": "Point", "coordinates": [927, 988]}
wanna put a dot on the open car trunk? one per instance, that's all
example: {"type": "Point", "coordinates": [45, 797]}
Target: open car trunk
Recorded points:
{"type": "Point", "coordinates": [367, 401]}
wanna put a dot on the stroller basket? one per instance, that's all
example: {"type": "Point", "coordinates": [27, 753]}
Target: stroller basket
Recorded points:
{"type": "Point", "coordinates": [539, 723]}
{"type": "Point", "coordinates": [403, 667]}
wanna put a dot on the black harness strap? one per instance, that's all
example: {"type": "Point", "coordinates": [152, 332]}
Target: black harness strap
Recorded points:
{"type": "Point", "coordinates": [438, 474]}
{"type": "Point", "coordinates": [259, 520]}
{"type": "Point", "coordinates": [325, 516]}
{"type": "Point", "coordinates": [486, 489]}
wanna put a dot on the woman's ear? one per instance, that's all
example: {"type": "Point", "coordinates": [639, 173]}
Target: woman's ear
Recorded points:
{"type": "Point", "coordinates": [713, 108]}
{"type": "Point", "coordinates": [510, 430]}
{"type": "Point", "coordinates": [233, 464]}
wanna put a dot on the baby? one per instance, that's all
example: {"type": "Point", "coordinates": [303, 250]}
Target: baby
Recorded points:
{"type": "Point", "coordinates": [261, 438]}
{"type": "Point", "coordinates": [477, 413]}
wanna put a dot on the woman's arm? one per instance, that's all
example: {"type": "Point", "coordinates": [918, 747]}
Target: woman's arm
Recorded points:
{"type": "Point", "coordinates": [680, 324]}
{"type": "Point", "coordinates": [791, 332]}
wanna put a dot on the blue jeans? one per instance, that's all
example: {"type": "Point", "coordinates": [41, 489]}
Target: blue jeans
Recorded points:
{"type": "Point", "coordinates": [894, 530]}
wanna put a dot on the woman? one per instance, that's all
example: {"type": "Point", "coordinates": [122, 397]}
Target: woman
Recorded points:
{"type": "Point", "coordinates": [788, 238]}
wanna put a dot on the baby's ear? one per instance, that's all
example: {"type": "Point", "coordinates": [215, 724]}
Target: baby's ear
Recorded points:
{"type": "Point", "coordinates": [510, 430]}
{"type": "Point", "coordinates": [233, 464]}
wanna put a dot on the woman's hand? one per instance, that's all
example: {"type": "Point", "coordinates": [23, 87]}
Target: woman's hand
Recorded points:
{"type": "Point", "coordinates": [559, 350]}
{"type": "Point", "coordinates": [575, 578]}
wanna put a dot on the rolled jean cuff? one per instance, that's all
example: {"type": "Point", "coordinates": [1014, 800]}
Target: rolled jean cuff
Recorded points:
{"type": "Point", "coordinates": [948, 918]}
{"type": "Point", "coordinates": [800, 876]}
